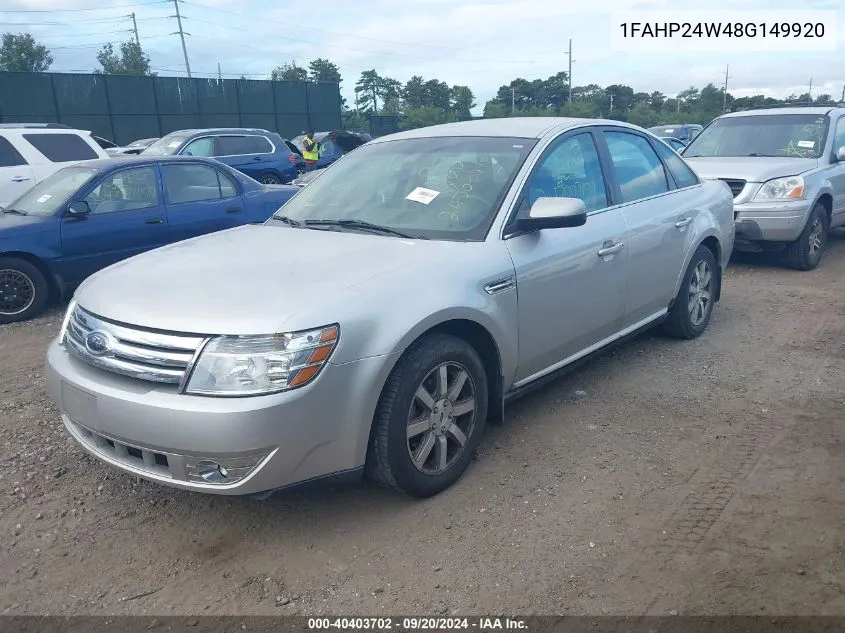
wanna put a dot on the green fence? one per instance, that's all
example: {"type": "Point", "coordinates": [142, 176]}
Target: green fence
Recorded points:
{"type": "Point", "coordinates": [124, 108]}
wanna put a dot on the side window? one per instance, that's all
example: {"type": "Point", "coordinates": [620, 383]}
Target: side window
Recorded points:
{"type": "Point", "coordinates": [683, 175]}
{"type": "Point", "coordinates": [328, 148]}
{"type": "Point", "coordinates": [241, 145]}
{"type": "Point", "coordinates": [257, 145]}
{"type": "Point", "coordinates": [194, 183]}
{"type": "Point", "coordinates": [200, 147]}
{"type": "Point", "coordinates": [9, 156]}
{"type": "Point", "coordinates": [60, 148]}
{"type": "Point", "coordinates": [570, 170]}
{"type": "Point", "coordinates": [125, 190]}
{"type": "Point", "coordinates": [684, 133]}
{"type": "Point", "coordinates": [838, 136]}
{"type": "Point", "coordinates": [638, 169]}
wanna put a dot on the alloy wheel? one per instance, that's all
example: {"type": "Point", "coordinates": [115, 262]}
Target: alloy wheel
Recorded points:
{"type": "Point", "coordinates": [700, 293]}
{"type": "Point", "coordinates": [17, 292]}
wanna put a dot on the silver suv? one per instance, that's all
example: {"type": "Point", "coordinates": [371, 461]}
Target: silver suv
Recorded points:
{"type": "Point", "coordinates": [786, 169]}
{"type": "Point", "coordinates": [391, 307]}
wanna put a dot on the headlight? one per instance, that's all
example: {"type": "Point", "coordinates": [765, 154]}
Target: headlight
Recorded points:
{"type": "Point", "coordinates": [791, 188]}
{"type": "Point", "coordinates": [257, 365]}
{"type": "Point", "coordinates": [63, 332]}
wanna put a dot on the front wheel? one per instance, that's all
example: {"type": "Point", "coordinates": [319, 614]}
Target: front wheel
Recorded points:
{"type": "Point", "coordinates": [270, 179]}
{"type": "Point", "coordinates": [23, 290]}
{"type": "Point", "coordinates": [693, 306]}
{"type": "Point", "coordinates": [430, 417]}
{"type": "Point", "coordinates": [806, 252]}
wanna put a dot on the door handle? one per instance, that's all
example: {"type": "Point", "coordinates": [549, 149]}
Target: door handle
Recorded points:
{"type": "Point", "coordinates": [683, 222]}
{"type": "Point", "coordinates": [611, 249]}
{"type": "Point", "coordinates": [233, 210]}
{"type": "Point", "coordinates": [154, 221]}
{"type": "Point", "coordinates": [20, 178]}
{"type": "Point", "coordinates": [257, 158]}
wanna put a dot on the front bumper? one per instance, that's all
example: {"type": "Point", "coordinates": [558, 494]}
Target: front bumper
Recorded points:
{"type": "Point", "coordinates": [771, 221]}
{"type": "Point", "coordinates": [262, 443]}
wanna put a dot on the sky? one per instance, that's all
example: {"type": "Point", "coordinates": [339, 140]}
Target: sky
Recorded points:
{"type": "Point", "coordinates": [480, 43]}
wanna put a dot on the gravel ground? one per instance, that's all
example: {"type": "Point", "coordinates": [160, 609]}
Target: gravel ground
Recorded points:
{"type": "Point", "coordinates": [701, 477]}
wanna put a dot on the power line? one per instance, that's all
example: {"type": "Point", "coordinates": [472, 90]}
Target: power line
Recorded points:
{"type": "Point", "coordinates": [65, 23]}
{"type": "Point", "coordinates": [65, 36]}
{"type": "Point", "coordinates": [116, 6]}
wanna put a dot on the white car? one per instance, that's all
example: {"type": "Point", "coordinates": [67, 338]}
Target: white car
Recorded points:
{"type": "Point", "coordinates": [29, 152]}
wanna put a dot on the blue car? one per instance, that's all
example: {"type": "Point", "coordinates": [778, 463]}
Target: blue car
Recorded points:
{"type": "Point", "coordinates": [89, 216]}
{"type": "Point", "coordinates": [333, 145]}
{"type": "Point", "coordinates": [261, 155]}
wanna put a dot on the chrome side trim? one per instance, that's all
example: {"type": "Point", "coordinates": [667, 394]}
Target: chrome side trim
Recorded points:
{"type": "Point", "coordinates": [500, 285]}
{"type": "Point", "coordinates": [592, 348]}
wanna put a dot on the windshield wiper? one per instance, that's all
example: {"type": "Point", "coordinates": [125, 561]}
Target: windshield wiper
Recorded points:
{"type": "Point", "coordinates": [15, 212]}
{"type": "Point", "coordinates": [764, 155]}
{"type": "Point", "coordinates": [288, 221]}
{"type": "Point", "coordinates": [362, 224]}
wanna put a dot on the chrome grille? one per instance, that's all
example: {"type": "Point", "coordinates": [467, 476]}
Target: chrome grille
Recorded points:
{"type": "Point", "coordinates": [736, 185]}
{"type": "Point", "coordinates": [134, 352]}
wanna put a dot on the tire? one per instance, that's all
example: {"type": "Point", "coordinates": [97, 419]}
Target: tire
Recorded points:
{"type": "Point", "coordinates": [439, 427]}
{"type": "Point", "coordinates": [806, 252]}
{"type": "Point", "coordinates": [23, 290]}
{"type": "Point", "coordinates": [269, 179]}
{"type": "Point", "coordinates": [692, 308]}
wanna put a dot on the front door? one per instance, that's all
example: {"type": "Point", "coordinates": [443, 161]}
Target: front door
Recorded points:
{"type": "Point", "coordinates": [570, 282]}
{"type": "Point", "coordinates": [200, 199]}
{"type": "Point", "coordinates": [16, 176]}
{"type": "Point", "coordinates": [661, 220]}
{"type": "Point", "coordinates": [127, 217]}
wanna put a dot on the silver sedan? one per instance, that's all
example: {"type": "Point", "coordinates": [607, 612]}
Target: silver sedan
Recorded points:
{"type": "Point", "coordinates": [389, 310]}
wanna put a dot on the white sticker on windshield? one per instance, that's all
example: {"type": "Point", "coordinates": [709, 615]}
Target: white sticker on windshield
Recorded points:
{"type": "Point", "coordinates": [44, 198]}
{"type": "Point", "coordinates": [175, 144]}
{"type": "Point", "coordinates": [421, 194]}
{"type": "Point", "coordinates": [807, 144]}
{"type": "Point", "coordinates": [669, 130]}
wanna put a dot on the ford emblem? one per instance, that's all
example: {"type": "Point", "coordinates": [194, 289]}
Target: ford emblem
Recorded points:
{"type": "Point", "coordinates": [98, 343]}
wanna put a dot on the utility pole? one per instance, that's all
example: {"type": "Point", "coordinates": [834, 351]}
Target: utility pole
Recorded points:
{"type": "Point", "coordinates": [725, 96]}
{"type": "Point", "coordinates": [570, 69]}
{"type": "Point", "coordinates": [611, 104]}
{"type": "Point", "coordinates": [219, 73]}
{"type": "Point", "coordinates": [513, 99]}
{"type": "Point", "coordinates": [182, 36]}
{"type": "Point", "coordinates": [810, 92]}
{"type": "Point", "coordinates": [842, 100]}
{"type": "Point", "coordinates": [135, 28]}
{"type": "Point", "coordinates": [678, 103]}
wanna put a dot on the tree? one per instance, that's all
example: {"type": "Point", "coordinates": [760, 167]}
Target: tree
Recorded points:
{"type": "Point", "coordinates": [463, 101]}
{"type": "Point", "coordinates": [422, 117]}
{"type": "Point", "coordinates": [367, 89]}
{"type": "Point", "coordinates": [132, 60]}
{"type": "Point", "coordinates": [289, 72]}
{"type": "Point", "coordinates": [414, 94]}
{"type": "Point", "coordinates": [323, 70]}
{"type": "Point", "coordinates": [494, 109]}
{"type": "Point", "coordinates": [390, 91]}
{"type": "Point", "coordinates": [21, 53]}
{"type": "Point", "coordinates": [438, 94]}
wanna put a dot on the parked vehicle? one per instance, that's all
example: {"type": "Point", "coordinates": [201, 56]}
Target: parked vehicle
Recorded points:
{"type": "Point", "coordinates": [786, 169]}
{"type": "Point", "coordinates": [104, 143]}
{"type": "Point", "coordinates": [684, 132]}
{"type": "Point", "coordinates": [260, 154]}
{"type": "Point", "coordinates": [29, 152]}
{"type": "Point", "coordinates": [307, 177]}
{"type": "Point", "coordinates": [89, 216]}
{"type": "Point", "coordinates": [373, 322]}
{"type": "Point", "coordinates": [675, 143]}
{"type": "Point", "coordinates": [333, 145]}
{"type": "Point", "coordinates": [135, 147]}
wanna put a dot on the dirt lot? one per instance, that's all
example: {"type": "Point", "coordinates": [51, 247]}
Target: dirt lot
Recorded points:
{"type": "Point", "coordinates": [700, 477]}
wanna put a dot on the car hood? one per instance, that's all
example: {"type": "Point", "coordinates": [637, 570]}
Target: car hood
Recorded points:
{"type": "Point", "coordinates": [258, 279]}
{"type": "Point", "coordinates": [14, 225]}
{"type": "Point", "coordinates": [750, 168]}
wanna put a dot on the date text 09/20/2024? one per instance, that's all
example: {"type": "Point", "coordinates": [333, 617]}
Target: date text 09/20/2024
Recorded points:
{"type": "Point", "coordinates": [416, 624]}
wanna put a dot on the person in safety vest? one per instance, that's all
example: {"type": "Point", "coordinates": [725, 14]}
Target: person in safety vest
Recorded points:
{"type": "Point", "coordinates": [310, 151]}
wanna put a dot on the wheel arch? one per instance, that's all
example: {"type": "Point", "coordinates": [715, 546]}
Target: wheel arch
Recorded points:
{"type": "Point", "coordinates": [53, 283]}
{"type": "Point", "coordinates": [826, 200]}
{"type": "Point", "coordinates": [710, 241]}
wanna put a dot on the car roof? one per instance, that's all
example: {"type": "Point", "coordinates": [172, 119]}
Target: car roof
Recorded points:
{"type": "Point", "coordinates": [121, 160]}
{"type": "Point", "coordinates": [220, 130]}
{"type": "Point", "coordinates": [818, 110]}
{"type": "Point", "coordinates": [512, 127]}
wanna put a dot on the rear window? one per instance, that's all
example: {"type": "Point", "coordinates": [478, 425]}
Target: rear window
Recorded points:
{"type": "Point", "coordinates": [239, 145]}
{"type": "Point", "coordinates": [683, 175]}
{"type": "Point", "coordinates": [9, 156]}
{"type": "Point", "coordinates": [60, 148]}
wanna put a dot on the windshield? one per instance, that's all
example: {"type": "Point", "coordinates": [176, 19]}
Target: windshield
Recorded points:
{"type": "Point", "coordinates": [297, 141]}
{"type": "Point", "coordinates": [141, 142]}
{"type": "Point", "coordinates": [47, 196]}
{"type": "Point", "coordinates": [795, 135]}
{"type": "Point", "coordinates": [446, 188]}
{"type": "Point", "coordinates": [166, 145]}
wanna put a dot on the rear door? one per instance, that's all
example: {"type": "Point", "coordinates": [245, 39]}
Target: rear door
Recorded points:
{"type": "Point", "coordinates": [660, 217]}
{"type": "Point", "coordinates": [249, 154]}
{"type": "Point", "coordinates": [16, 175]}
{"type": "Point", "coordinates": [127, 217]}
{"type": "Point", "coordinates": [200, 199]}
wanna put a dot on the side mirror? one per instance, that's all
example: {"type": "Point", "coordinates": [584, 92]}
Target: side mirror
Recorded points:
{"type": "Point", "coordinates": [78, 209]}
{"type": "Point", "coordinates": [554, 213]}
{"type": "Point", "coordinates": [840, 154]}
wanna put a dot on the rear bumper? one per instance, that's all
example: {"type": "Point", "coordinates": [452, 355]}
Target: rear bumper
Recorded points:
{"type": "Point", "coordinates": [771, 221]}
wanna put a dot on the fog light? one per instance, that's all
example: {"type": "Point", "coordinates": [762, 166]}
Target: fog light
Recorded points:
{"type": "Point", "coordinates": [220, 471]}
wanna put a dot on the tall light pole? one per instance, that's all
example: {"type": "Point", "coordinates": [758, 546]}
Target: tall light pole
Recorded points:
{"type": "Point", "coordinates": [725, 96]}
{"type": "Point", "coordinates": [182, 36]}
{"type": "Point", "coordinates": [135, 28]}
{"type": "Point", "coordinates": [570, 69]}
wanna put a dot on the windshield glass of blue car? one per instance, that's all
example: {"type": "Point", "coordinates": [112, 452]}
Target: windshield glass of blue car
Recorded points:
{"type": "Point", "coordinates": [434, 188]}
{"type": "Point", "coordinates": [47, 196]}
{"type": "Point", "coordinates": [166, 145]}
{"type": "Point", "coordinates": [767, 135]}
